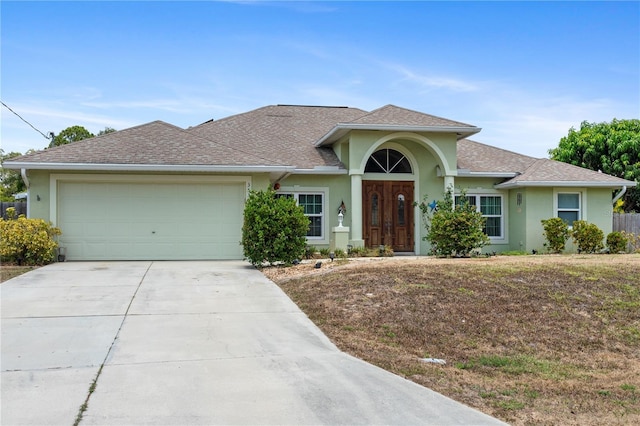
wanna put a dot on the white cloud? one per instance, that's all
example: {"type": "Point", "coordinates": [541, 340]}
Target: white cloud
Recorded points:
{"type": "Point", "coordinates": [428, 81]}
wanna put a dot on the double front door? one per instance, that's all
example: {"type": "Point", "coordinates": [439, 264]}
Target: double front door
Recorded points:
{"type": "Point", "coordinates": [388, 214]}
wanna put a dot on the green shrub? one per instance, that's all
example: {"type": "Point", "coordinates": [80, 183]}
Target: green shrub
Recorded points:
{"type": "Point", "coordinates": [633, 240]}
{"type": "Point", "coordinates": [358, 252]}
{"type": "Point", "coordinates": [27, 241]}
{"type": "Point", "coordinates": [386, 251]}
{"type": "Point", "coordinates": [340, 254]}
{"type": "Point", "coordinates": [556, 232]}
{"type": "Point", "coordinates": [309, 252]}
{"type": "Point", "coordinates": [617, 242]}
{"type": "Point", "coordinates": [324, 252]}
{"type": "Point", "coordinates": [274, 229]}
{"type": "Point", "coordinates": [453, 230]}
{"type": "Point", "coordinates": [513, 253]}
{"type": "Point", "coordinates": [587, 236]}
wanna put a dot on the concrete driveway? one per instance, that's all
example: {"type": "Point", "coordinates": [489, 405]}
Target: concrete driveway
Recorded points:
{"type": "Point", "coordinates": [186, 343]}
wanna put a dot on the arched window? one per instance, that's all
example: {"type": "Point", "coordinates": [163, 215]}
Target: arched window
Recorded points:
{"type": "Point", "coordinates": [388, 161]}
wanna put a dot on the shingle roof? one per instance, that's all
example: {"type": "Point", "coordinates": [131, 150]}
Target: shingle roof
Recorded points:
{"type": "Point", "coordinates": [152, 143]}
{"type": "Point", "coordinates": [396, 116]}
{"type": "Point", "coordinates": [285, 136]}
{"type": "Point", "coordinates": [546, 172]}
{"type": "Point", "coordinates": [478, 157]}
{"type": "Point", "coordinates": [284, 133]}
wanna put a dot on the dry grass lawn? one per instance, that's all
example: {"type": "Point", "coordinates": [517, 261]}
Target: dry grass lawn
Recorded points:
{"type": "Point", "coordinates": [542, 340]}
{"type": "Point", "coordinates": [9, 271]}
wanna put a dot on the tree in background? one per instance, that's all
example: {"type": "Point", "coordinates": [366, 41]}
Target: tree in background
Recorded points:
{"type": "Point", "coordinates": [69, 135]}
{"type": "Point", "coordinates": [11, 182]}
{"type": "Point", "coordinates": [613, 148]}
{"type": "Point", "coordinates": [106, 131]}
{"type": "Point", "coordinates": [75, 134]}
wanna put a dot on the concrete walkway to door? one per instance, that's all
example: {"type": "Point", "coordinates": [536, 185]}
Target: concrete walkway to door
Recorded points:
{"type": "Point", "coordinates": [181, 343]}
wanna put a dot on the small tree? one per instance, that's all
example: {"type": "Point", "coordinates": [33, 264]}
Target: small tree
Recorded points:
{"type": "Point", "coordinates": [453, 229]}
{"type": "Point", "coordinates": [556, 232]}
{"type": "Point", "coordinates": [274, 229]}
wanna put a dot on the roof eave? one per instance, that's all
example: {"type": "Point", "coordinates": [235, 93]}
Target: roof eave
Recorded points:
{"type": "Point", "coordinates": [504, 175]}
{"type": "Point", "coordinates": [342, 129]}
{"type": "Point", "coordinates": [328, 170]}
{"type": "Point", "coordinates": [149, 167]}
{"type": "Point", "coordinates": [566, 184]}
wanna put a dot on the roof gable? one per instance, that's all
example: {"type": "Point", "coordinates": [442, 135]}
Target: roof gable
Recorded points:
{"type": "Point", "coordinates": [393, 118]}
{"type": "Point", "coordinates": [392, 115]}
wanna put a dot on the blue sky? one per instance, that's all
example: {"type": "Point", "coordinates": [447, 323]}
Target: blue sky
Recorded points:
{"type": "Point", "coordinates": [525, 72]}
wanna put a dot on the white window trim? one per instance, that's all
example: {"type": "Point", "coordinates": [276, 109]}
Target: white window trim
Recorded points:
{"type": "Point", "coordinates": [582, 210]}
{"type": "Point", "coordinates": [502, 239]}
{"type": "Point", "coordinates": [324, 191]}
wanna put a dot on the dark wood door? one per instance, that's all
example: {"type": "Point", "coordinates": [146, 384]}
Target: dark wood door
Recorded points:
{"type": "Point", "coordinates": [388, 214]}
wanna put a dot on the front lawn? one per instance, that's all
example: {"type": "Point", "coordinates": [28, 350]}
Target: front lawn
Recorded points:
{"type": "Point", "coordinates": [527, 339]}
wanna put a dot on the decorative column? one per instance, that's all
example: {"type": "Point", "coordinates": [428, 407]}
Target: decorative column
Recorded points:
{"type": "Point", "coordinates": [340, 237]}
{"type": "Point", "coordinates": [449, 182]}
{"type": "Point", "coordinates": [356, 211]}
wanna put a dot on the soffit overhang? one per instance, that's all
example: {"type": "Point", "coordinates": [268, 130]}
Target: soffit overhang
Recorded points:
{"type": "Point", "coordinates": [340, 130]}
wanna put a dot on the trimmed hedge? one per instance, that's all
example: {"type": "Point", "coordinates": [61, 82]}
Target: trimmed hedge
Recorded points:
{"type": "Point", "coordinates": [274, 229]}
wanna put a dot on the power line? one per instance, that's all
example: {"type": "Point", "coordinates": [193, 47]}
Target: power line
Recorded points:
{"type": "Point", "coordinates": [32, 126]}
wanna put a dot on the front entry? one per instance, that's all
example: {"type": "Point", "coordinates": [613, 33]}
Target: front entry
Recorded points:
{"type": "Point", "coordinates": [388, 214]}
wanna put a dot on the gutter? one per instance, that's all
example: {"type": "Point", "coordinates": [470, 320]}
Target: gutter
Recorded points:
{"type": "Point", "coordinates": [619, 194]}
{"type": "Point", "coordinates": [148, 167]}
{"type": "Point", "coordinates": [321, 171]}
{"type": "Point", "coordinates": [467, 173]}
{"type": "Point", "coordinates": [566, 184]}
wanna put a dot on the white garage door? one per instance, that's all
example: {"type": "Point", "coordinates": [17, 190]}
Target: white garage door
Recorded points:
{"type": "Point", "coordinates": [150, 221]}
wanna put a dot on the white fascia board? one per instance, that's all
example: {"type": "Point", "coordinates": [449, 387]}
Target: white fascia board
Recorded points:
{"type": "Point", "coordinates": [341, 129]}
{"type": "Point", "coordinates": [321, 171]}
{"type": "Point", "coordinates": [565, 184]}
{"type": "Point", "coordinates": [466, 173]}
{"type": "Point", "coordinates": [148, 167]}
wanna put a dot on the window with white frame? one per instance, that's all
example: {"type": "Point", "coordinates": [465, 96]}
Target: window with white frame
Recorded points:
{"type": "Point", "coordinates": [491, 208]}
{"type": "Point", "coordinates": [569, 207]}
{"type": "Point", "coordinates": [313, 205]}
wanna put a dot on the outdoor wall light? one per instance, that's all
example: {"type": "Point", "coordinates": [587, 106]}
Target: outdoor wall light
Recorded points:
{"type": "Point", "coordinates": [342, 208]}
{"type": "Point", "coordinates": [37, 197]}
{"type": "Point", "coordinates": [340, 219]}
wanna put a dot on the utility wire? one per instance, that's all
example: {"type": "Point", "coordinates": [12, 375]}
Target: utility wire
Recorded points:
{"type": "Point", "coordinates": [32, 126]}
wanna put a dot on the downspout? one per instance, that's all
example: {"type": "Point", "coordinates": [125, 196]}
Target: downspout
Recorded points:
{"type": "Point", "coordinates": [25, 179]}
{"type": "Point", "coordinates": [620, 194]}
